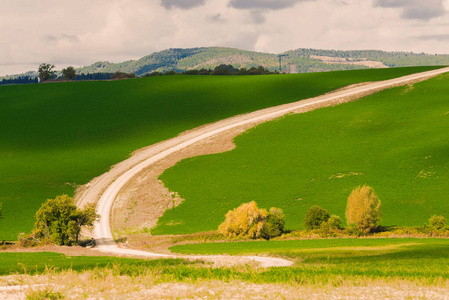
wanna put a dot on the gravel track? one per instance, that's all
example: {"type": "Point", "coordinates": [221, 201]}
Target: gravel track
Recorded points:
{"type": "Point", "coordinates": [104, 189]}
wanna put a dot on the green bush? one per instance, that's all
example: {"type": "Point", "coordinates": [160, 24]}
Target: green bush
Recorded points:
{"type": "Point", "coordinates": [315, 216]}
{"type": "Point", "coordinates": [437, 222]}
{"type": "Point", "coordinates": [274, 224]}
{"type": "Point", "coordinates": [334, 222]}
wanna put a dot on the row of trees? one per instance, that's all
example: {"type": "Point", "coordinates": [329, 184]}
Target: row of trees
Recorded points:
{"type": "Point", "coordinates": [222, 69]}
{"type": "Point", "coordinates": [363, 214]}
{"type": "Point", "coordinates": [47, 72]}
{"type": "Point", "coordinates": [248, 221]}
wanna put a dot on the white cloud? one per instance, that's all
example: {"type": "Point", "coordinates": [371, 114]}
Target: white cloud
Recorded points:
{"type": "Point", "coordinates": [81, 32]}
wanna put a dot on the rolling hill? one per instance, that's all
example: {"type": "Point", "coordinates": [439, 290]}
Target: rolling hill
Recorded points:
{"type": "Point", "coordinates": [57, 136]}
{"type": "Point", "coordinates": [306, 60]}
{"type": "Point", "coordinates": [395, 141]}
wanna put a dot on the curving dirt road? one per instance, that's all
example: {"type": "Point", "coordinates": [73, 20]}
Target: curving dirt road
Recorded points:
{"type": "Point", "coordinates": [105, 188]}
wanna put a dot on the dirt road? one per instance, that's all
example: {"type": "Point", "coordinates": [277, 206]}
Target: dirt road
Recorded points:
{"type": "Point", "coordinates": [103, 190]}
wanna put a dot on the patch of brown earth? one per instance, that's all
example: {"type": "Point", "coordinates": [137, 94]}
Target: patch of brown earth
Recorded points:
{"type": "Point", "coordinates": [348, 61]}
{"type": "Point", "coordinates": [144, 199]}
{"type": "Point", "coordinates": [91, 285]}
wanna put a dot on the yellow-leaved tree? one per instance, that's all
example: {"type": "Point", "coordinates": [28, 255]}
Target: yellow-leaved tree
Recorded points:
{"type": "Point", "coordinates": [249, 221]}
{"type": "Point", "coordinates": [363, 209]}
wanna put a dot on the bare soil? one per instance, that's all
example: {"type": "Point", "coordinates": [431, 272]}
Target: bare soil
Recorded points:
{"type": "Point", "coordinates": [92, 286]}
{"type": "Point", "coordinates": [350, 61]}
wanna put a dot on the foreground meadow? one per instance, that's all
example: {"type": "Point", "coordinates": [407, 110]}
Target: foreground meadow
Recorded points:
{"type": "Point", "coordinates": [400, 268]}
{"type": "Point", "coordinates": [394, 141]}
{"type": "Point", "coordinates": [57, 136]}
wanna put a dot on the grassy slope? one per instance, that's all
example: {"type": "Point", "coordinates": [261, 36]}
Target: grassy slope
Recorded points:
{"type": "Point", "coordinates": [334, 259]}
{"type": "Point", "coordinates": [395, 141]}
{"type": "Point", "coordinates": [54, 136]}
{"type": "Point", "coordinates": [38, 262]}
{"type": "Point", "coordinates": [341, 261]}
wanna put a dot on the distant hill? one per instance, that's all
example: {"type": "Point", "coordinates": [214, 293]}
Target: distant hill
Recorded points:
{"type": "Point", "coordinates": [306, 60]}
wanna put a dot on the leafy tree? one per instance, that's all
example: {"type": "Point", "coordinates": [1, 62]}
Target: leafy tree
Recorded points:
{"type": "Point", "coordinates": [274, 224]}
{"type": "Point", "coordinates": [1, 208]}
{"type": "Point", "coordinates": [315, 216]}
{"type": "Point", "coordinates": [46, 71]}
{"type": "Point", "coordinates": [60, 221]}
{"type": "Point", "coordinates": [363, 209]}
{"type": "Point", "coordinates": [334, 222]}
{"type": "Point", "coordinates": [122, 75]}
{"type": "Point", "coordinates": [69, 73]}
{"type": "Point", "coordinates": [437, 222]}
{"type": "Point", "coordinates": [225, 70]}
{"type": "Point", "coordinates": [248, 221]}
{"type": "Point", "coordinates": [245, 221]}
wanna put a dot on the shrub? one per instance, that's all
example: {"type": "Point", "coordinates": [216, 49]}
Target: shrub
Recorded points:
{"type": "Point", "coordinates": [437, 222]}
{"type": "Point", "coordinates": [274, 224]}
{"type": "Point", "coordinates": [245, 221]}
{"type": "Point", "coordinates": [60, 221]}
{"type": "Point", "coordinates": [249, 221]}
{"type": "Point", "coordinates": [334, 222]}
{"type": "Point", "coordinates": [122, 75]}
{"type": "Point", "coordinates": [315, 216]}
{"type": "Point", "coordinates": [363, 209]}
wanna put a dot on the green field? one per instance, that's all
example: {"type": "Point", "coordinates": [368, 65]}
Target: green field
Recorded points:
{"type": "Point", "coordinates": [58, 135]}
{"type": "Point", "coordinates": [330, 259]}
{"type": "Point", "coordinates": [39, 262]}
{"type": "Point", "coordinates": [395, 141]}
{"type": "Point", "coordinates": [317, 262]}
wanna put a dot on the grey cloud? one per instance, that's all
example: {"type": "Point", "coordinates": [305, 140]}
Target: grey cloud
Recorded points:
{"type": "Point", "coordinates": [415, 9]}
{"type": "Point", "coordinates": [49, 38]}
{"type": "Point", "coordinates": [435, 37]}
{"type": "Point", "coordinates": [183, 4]}
{"type": "Point", "coordinates": [257, 16]}
{"type": "Point", "coordinates": [263, 4]}
{"type": "Point", "coordinates": [53, 39]}
{"type": "Point", "coordinates": [217, 18]}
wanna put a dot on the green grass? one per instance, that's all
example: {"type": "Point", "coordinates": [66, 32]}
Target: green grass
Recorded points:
{"type": "Point", "coordinates": [394, 141]}
{"type": "Point", "coordinates": [55, 136]}
{"type": "Point", "coordinates": [295, 248]}
{"type": "Point", "coordinates": [318, 262]}
{"type": "Point", "coordinates": [39, 262]}
{"type": "Point", "coordinates": [330, 259]}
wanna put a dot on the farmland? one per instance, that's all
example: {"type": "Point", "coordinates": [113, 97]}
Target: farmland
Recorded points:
{"type": "Point", "coordinates": [321, 260]}
{"type": "Point", "coordinates": [400, 266]}
{"type": "Point", "coordinates": [57, 136]}
{"type": "Point", "coordinates": [394, 141]}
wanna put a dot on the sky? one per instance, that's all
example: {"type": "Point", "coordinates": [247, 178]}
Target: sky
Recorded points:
{"type": "Point", "coordinates": [81, 32]}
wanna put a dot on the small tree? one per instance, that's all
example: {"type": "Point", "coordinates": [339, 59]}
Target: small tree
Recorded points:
{"type": "Point", "coordinates": [245, 221]}
{"type": "Point", "coordinates": [69, 73]}
{"type": "Point", "coordinates": [437, 222]}
{"type": "Point", "coordinates": [46, 71]}
{"type": "Point", "coordinates": [315, 216]}
{"type": "Point", "coordinates": [363, 209]}
{"type": "Point", "coordinates": [334, 222]}
{"type": "Point", "coordinates": [60, 221]}
{"type": "Point", "coordinates": [274, 224]}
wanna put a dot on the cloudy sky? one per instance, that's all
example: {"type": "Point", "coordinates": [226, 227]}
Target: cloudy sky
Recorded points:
{"type": "Point", "coordinates": [80, 32]}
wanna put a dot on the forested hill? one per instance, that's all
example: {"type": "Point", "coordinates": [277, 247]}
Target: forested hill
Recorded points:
{"type": "Point", "coordinates": [306, 60]}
